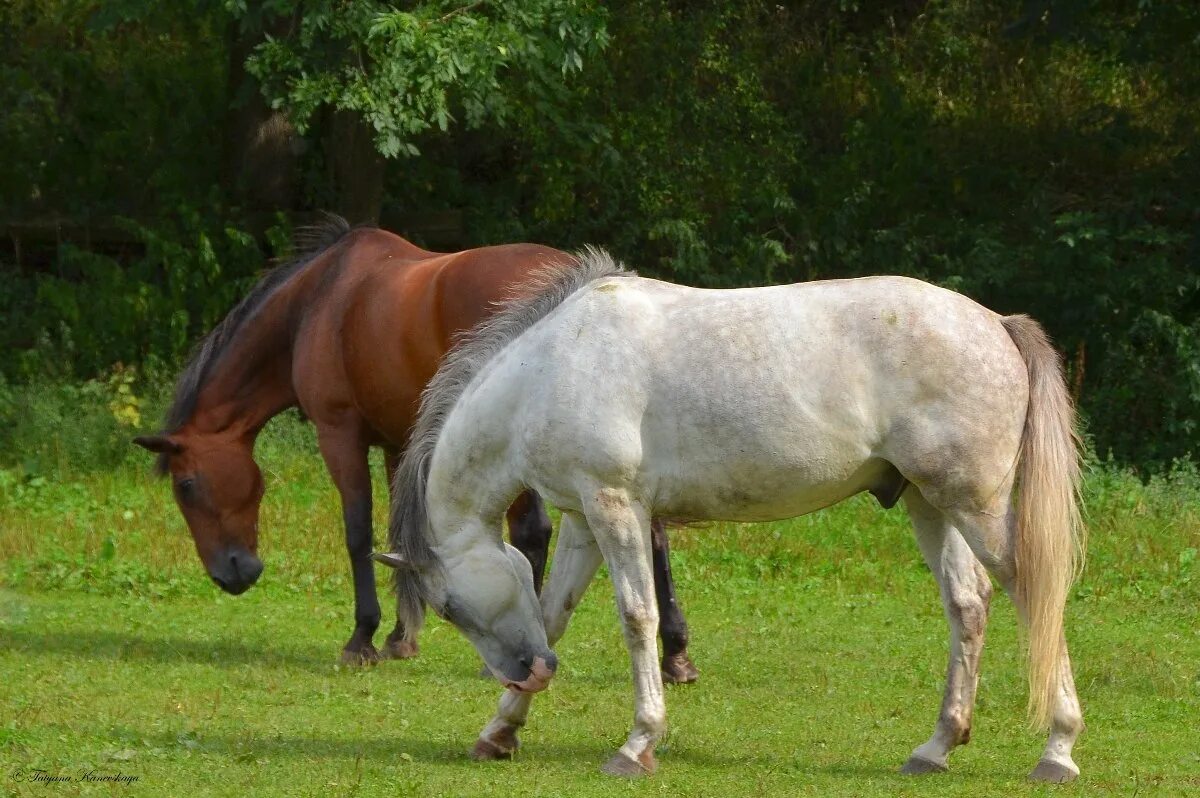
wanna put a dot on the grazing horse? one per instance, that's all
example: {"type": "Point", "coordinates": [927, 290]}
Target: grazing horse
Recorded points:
{"type": "Point", "coordinates": [620, 399]}
{"type": "Point", "coordinates": [351, 332]}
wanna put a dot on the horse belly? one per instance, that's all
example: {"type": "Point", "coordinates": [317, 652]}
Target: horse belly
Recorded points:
{"type": "Point", "coordinates": [765, 490]}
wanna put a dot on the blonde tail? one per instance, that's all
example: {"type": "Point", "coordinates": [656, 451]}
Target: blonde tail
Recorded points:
{"type": "Point", "coordinates": [1051, 538]}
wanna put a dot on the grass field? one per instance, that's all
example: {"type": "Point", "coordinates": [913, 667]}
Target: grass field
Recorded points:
{"type": "Point", "coordinates": [820, 641]}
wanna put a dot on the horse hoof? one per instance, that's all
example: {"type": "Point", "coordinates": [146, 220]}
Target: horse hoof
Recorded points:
{"type": "Point", "coordinates": [500, 745]}
{"type": "Point", "coordinates": [916, 766]}
{"type": "Point", "coordinates": [678, 669]}
{"type": "Point", "coordinates": [621, 765]}
{"type": "Point", "coordinates": [358, 657]}
{"type": "Point", "coordinates": [400, 649]}
{"type": "Point", "coordinates": [486, 750]}
{"type": "Point", "coordinates": [1053, 773]}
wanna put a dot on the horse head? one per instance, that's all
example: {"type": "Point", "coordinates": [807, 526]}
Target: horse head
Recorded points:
{"type": "Point", "coordinates": [218, 488]}
{"type": "Point", "coordinates": [485, 590]}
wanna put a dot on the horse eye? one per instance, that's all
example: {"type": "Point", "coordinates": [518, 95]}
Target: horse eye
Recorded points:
{"type": "Point", "coordinates": [185, 486]}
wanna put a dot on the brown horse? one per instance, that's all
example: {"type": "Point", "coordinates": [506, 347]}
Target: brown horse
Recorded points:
{"type": "Point", "coordinates": [350, 332]}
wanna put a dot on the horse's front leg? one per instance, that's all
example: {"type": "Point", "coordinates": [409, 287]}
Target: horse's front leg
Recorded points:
{"type": "Point", "coordinates": [345, 454]}
{"type": "Point", "coordinates": [677, 667]}
{"type": "Point", "coordinates": [622, 530]}
{"type": "Point", "coordinates": [575, 562]}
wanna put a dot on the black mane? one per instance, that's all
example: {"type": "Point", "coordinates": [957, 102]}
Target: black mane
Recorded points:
{"type": "Point", "coordinates": [309, 243]}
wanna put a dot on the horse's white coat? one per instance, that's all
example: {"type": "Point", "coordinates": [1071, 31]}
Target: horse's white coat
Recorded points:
{"type": "Point", "coordinates": [636, 398]}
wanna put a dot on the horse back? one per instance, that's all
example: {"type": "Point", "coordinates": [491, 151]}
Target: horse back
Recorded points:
{"type": "Point", "coordinates": [386, 317]}
{"type": "Point", "coordinates": [718, 402]}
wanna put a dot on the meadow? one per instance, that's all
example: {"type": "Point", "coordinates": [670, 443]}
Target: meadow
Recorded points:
{"type": "Point", "coordinates": [821, 645]}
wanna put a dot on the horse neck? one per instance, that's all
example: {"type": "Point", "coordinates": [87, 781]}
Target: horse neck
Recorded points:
{"type": "Point", "coordinates": [252, 380]}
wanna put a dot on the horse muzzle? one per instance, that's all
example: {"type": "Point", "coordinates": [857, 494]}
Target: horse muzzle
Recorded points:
{"type": "Point", "coordinates": [235, 570]}
{"type": "Point", "coordinates": [541, 671]}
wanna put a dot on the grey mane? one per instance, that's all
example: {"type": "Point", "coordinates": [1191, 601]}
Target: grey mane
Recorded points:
{"type": "Point", "coordinates": [310, 242]}
{"type": "Point", "coordinates": [408, 531]}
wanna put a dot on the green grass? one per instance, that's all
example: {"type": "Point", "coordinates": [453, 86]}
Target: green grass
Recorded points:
{"type": "Point", "coordinates": [821, 644]}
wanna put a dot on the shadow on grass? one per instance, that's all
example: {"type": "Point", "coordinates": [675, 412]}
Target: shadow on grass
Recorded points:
{"type": "Point", "coordinates": [387, 750]}
{"type": "Point", "coordinates": [380, 750]}
{"type": "Point", "coordinates": [583, 757]}
{"type": "Point", "coordinates": [94, 644]}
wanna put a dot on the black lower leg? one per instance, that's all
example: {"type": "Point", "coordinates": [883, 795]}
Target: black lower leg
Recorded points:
{"type": "Point", "coordinates": [357, 516]}
{"type": "Point", "coordinates": [529, 529]}
{"type": "Point", "coordinates": [672, 626]}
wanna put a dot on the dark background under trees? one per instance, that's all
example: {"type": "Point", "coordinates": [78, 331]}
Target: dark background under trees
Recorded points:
{"type": "Point", "coordinates": [1040, 157]}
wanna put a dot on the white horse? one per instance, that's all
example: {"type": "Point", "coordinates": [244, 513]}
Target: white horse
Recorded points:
{"type": "Point", "coordinates": [619, 398]}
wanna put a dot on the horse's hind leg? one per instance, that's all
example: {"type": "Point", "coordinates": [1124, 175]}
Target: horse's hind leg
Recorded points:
{"type": "Point", "coordinates": [966, 592]}
{"type": "Point", "coordinates": [990, 537]}
{"type": "Point", "coordinates": [677, 667]}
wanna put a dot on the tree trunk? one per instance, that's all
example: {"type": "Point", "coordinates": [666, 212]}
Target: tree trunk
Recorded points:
{"type": "Point", "coordinates": [259, 169]}
{"type": "Point", "coordinates": [356, 166]}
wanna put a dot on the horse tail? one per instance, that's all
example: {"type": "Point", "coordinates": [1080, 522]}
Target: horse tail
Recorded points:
{"type": "Point", "coordinates": [1051, 538]}
{"type": "Point", "coordinates": [407, 534]}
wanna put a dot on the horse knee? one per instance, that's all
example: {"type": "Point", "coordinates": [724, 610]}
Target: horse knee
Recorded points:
{"type": "Point", "coordinates": [639, 624]}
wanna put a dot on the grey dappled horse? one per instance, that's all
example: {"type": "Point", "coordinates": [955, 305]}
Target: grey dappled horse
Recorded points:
{"type": "Point", "coordinates": [619, 399]}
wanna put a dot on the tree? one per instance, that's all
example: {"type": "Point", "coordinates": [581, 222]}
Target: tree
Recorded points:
{"type": "Point", "coordinates": [383, 75]}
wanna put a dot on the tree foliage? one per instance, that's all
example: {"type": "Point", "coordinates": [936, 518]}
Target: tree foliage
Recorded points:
{"type": "Point", "coordinates": [401, 70]}
{"type": "Point", "coordinates": [1039, 156]}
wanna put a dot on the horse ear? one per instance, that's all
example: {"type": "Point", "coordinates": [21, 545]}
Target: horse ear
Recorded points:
{"type": "Point", "coordinates": [392, 560]}
{"type": "Point", "coordinates": [159, 444]}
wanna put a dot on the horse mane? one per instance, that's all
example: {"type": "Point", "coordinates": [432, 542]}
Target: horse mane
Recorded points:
{"type": "Point", "coordinates": [408, 528]}
{"type": "Point", "coordinates": [309, 242]}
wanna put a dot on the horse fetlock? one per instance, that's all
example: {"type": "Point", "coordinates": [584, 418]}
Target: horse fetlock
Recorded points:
{"type": "Point", "coordinates": [955, 727]}
{"type": "Point", "coordinates": [649, 724]}
{"type": "Point", "coordinates": [1067, 723]}
{"type": "Point", "coordinates": [400, 648]}
{"type": "Point", "coordinates": [500, 743]}
{"type": "Point", "coordinates": [367, 623]}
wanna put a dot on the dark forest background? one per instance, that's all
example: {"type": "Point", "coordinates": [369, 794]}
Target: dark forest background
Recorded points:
{"type": "Point", "coordinates": [1040, 156]}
